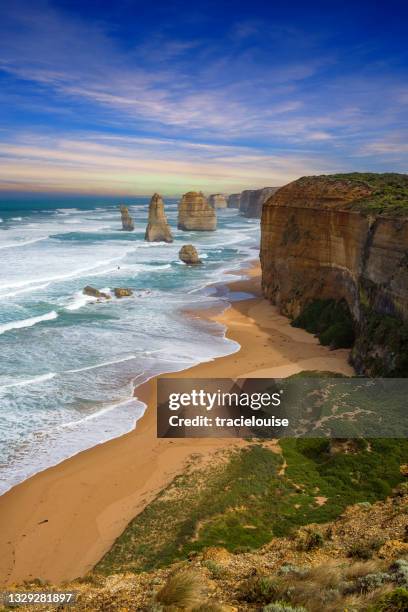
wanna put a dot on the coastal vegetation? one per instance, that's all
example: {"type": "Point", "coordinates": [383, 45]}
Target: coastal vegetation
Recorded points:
{"type": "Point", "coordinates": [282, 576]}
{"type": "Point", "coordinates": [388, 332]}
{"type": "Point", "coordinates": [389, 191]}
{"type": "Point", "coordinates": [330, 320]}
{"type": "Point", "coordinates": [252, 495]}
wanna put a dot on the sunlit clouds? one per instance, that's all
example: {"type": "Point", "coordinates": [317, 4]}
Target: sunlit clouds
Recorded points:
{"type": "Point", "coordinates": [130, 102]}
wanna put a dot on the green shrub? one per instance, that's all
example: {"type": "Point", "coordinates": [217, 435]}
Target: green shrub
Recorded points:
{"type": "Point", "coordinates": [312, 540]}
{"type": "Point", "coordinates": [396, 601]}
{"type": "Point", "coordinates": [338, 335]}
{"type": "Point", "coordinates": [242, 549]}
{"type": "Point", "coordinates": [364, 550]}
{"type": "Point", "coordinates": [292, 570]}
{"type": "Point", "coordinates": [330, 320]}
{"type": "Point", "coordinates": [370, 582]}
{"type": "Point", "coordinates": [217, 571]}
{"type": "Point", "coordinates": [259, 589]}
{"type": "Point", "coordinates": [399, 569]}
{"type": "Point", "coordinates": [281, 606]}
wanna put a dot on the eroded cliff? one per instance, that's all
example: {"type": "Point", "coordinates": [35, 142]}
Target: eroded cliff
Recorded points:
{"type": "Point", "coordinates": [344, 239]}
{"type": "Point", "coordinates": [252, 200]}
{"type": "Point", "coordinates": [233, 200]}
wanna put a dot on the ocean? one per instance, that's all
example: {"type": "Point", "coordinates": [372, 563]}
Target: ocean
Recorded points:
{"type": "Point", "coordinates": [68, 364]}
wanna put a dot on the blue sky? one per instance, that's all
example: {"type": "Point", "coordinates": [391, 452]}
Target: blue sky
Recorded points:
{"type": "Point", "coordinates": [131, 97]}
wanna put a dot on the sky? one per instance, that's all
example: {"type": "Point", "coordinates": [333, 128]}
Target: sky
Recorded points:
{"type": "Point", "coordinates": [129, 97]}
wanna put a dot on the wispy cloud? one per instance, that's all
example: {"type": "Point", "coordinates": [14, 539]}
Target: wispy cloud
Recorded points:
{"type": "Point", "coordinates": [260, 104]}
{"type": "Point", "coordinates": [133, 165]}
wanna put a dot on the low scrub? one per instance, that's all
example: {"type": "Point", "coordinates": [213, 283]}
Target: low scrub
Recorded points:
{"type": "Point", "coordinates": [259, 589]}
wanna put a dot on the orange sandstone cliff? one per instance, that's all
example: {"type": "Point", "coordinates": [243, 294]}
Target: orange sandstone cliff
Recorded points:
{"type": "Point", "coordinates": [344, 238]}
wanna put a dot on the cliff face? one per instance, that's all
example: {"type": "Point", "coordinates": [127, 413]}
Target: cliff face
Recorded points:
{"type": "Point", "coordinates": [158, 229]}
{"type": "Point", "coordinates": [127, 221]}
{"type": "Point", "coordinates": [233, 200]}
{"type": "Point", "coordinates": [322, 238]}
{"type": "Point", "coordinates": [252, 200]}
{"type": "Point", "coordinates": [217, 200]}
{"type": "Point", "coordinates": [195, 213]}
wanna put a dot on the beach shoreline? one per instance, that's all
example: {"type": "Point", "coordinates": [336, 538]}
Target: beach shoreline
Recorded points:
{"type": "Point", "coordinates": [57, 524]}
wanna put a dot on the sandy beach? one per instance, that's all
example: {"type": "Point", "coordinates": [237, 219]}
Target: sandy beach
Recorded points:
{"type": "Point", "coordinates": [58, 524]}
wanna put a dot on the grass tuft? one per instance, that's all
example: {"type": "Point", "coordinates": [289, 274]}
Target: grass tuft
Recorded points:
{"type": "Point", "coordinates": [182, 590]}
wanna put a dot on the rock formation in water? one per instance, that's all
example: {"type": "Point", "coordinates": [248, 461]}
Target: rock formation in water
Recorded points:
{"type": "Point", "coordinates": [121, 292]}
{"type": "Point", "coordinates": [92, 292]}
{"type": "Point", "coordinates": [233, 200]}
{"type": "Point", "coordinates": [158, 229]}
{"type": "Point", "coordinates": [332, 244]}
{"type": "Point", "coordinates": [217, 200]}
{"type": "Point", "coordinates": [195, 213]}
{"type": "Point", "coordinates": [252, 200]}
{"type": "Point", "coordinates": [127, 221]}
{"type": "Point", "coordinates": [189, 255]}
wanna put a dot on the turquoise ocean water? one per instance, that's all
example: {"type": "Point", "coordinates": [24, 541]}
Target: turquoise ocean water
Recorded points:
{"type": "Point", "coordinates": [68, 365]}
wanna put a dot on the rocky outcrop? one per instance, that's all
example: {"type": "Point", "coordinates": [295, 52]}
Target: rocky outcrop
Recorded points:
{"type": "Point", "coordinates": [252, 200]}
{"type": "Point", "coordinates": [127, 221]}
{"type": "Point", "coordinates": [217, 200]}
{"type": "Point", "coordinates": [189, 255]}
{"type": "Point", "coordinates": [92, 292]}
{"type": "Point", "coordinates": [158, 229]}
{"type": "Point", "coordinates": [233, 200]}
{"type": "Point", "coordinates": [121, 292]}
{"type": "Point", "coordinates": [195, 213]}
{"type": "Point", "coordinates": [344, 239]}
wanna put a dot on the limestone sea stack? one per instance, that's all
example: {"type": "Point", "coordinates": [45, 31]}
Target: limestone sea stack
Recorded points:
{"type": "Point", "coordinates": [233, 200]}
{"type": "Point", "coordinates": [158, 229]}
{"type": "Point", "coordinates": [189, 255]}
{"type": "Point", "coordinates": [334, 249]}
{"type": "Point", "coordinates": [127, 221]}
{"type": "Point", "coordinates": [218, 200]}
{"type": "Point", "coordinates": [195, 213]}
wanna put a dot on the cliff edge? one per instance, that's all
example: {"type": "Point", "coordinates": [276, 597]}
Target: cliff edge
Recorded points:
{"type": "Point", "coordinates": [339, 243]}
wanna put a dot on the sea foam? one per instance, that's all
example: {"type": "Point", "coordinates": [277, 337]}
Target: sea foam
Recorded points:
{"type": "Point", "coordinates": [27, 322]}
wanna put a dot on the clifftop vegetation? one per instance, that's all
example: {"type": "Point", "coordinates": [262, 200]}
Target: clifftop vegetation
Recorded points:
{"type": "Point", "coordinates": [358, 562]}
{"type": "Point", "coordinates": [389, 195]}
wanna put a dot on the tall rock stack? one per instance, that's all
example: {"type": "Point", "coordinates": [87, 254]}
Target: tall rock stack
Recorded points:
{"type": "Point", "coordinates": [233, 200]}
{"type": "Point", "coordinates": [127, 221]}
{"type": "Point", "coordinates": [195, 213]}
{"type": "Point", "coordinates": [217, 200]}
{"type": "Point", "coordinates": [158, 229]}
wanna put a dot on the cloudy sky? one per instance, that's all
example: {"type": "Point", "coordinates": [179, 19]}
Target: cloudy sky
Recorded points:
{"type": "Point", "coordinates": [131, 97]}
